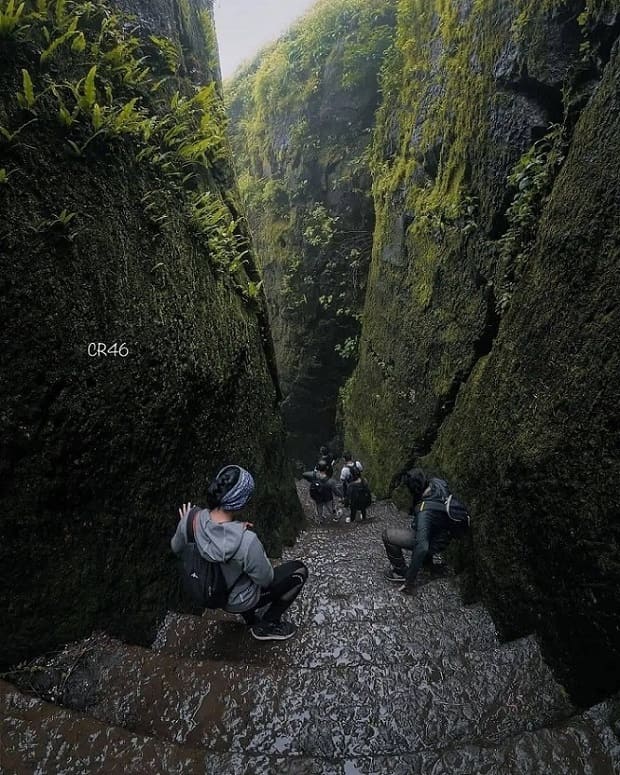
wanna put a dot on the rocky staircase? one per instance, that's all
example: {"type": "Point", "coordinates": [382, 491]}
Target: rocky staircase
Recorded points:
{"type": "Point", "coordinates": [374, 682]}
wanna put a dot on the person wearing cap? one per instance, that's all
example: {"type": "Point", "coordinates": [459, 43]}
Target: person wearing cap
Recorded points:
{"type": "Point", "coordinates": [252, 582]}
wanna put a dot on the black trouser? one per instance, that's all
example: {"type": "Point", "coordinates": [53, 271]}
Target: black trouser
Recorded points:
{"type": "Point", "coordinates": [288, 581]}
{"type": "Point", "coordinates": [428, 539]}
{"type": "Point", "coordinates": [354, 509]}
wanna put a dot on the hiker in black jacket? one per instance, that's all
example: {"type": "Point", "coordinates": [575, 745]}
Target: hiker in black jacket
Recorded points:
{"type": "Point", "coordinates": [322, 490]}
{"type": "Point", "coordinates": [428, 535]}
{"type": "Point", "coordinates": [358, 494]}
{"type": "Point", "coordinates": [325, 456]}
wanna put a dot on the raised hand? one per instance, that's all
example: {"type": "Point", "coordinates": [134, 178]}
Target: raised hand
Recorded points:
{"type": "Point", "coordinates": [184, 510]}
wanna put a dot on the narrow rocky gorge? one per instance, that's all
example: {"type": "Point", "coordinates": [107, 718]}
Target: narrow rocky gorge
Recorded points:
{"type": "Point", "coordinates": [489, 331]}
{"type": "Point", "coordinates": [302, 117]}
{"type": "Point", "coordinates": [395, 230]}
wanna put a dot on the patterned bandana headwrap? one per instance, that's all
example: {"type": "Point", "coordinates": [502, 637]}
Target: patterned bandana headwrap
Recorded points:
{"type": "Point", "coordinates": [237, 497]}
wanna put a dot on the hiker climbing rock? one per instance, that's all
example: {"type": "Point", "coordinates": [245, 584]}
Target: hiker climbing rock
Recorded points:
{"type": "Point", "coordinates": [358, 493]}
{"type": "Point", "coordinates": [322, 490]}
{"type": "Point", "coordinates": [224, 564]}
{"type": "Point", "coordinates": [437, 517]}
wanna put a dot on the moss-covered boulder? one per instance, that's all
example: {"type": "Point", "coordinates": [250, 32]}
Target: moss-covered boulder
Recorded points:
{"type": "Point", "coordinates": [490, 337]}
{"type": "Point", "coordinates": [121, 226]}
{"type": "Point", "coordinates": [301, 121]}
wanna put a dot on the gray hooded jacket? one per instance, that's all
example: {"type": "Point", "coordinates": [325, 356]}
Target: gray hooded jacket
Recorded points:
{"type": "Point", "coordinates": [241, 555]}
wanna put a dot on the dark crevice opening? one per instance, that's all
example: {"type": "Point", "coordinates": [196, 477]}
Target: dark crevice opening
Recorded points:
{"type": "Point", "coordinates": [499, 219]}
{"type": "Point", "coordinates": [548, 98]}
{"type": "Point", "coordinates": [604, 37]}
{"type": "Point", "coordinates": [446, 403]}
{"type": "Point", "coordinates": [484, 344]}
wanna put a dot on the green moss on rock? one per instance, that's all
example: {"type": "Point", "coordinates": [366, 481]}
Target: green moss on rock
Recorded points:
{"type": "Point", "coordinates": [98, 244]}
{"type": "Point", "coordinates": [301, 122]}
{"type": "Point", "coordinates": [510, 400]}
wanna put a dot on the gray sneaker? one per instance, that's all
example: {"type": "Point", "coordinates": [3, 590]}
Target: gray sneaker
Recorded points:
{"type": "Point", "coordinates": [391, 574]}
{"type": "Point", "coordinates": [273, 630]}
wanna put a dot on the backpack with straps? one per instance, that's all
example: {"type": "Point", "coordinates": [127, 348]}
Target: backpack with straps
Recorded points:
{"type": "Point", "coordinates": [361, 494]}
{"type": "Point", "coordinates": [320, 490]}
{"type": "Point", "coordinates": [202, 581]}
{"type": "Point", "coordinates": [354, 472]}
{"type": "Point", "coordinates": [458, 513]}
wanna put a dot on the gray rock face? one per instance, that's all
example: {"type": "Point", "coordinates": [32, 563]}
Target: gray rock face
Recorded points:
{"type": "Point", "coordinates": [315, 252]}
{"type": "Point", "coordinates": [159, 17]}
{"type": "Point", "coordinates": [483, 347]}
{"type": "Point", "coordinates": [98, 246]}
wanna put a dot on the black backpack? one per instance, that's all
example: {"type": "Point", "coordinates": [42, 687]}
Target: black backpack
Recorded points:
{"type": "Point", "coordinates": [459, 519]}
{"type": "Point", "coordinates": [202, 581]}
{"type": "Point", "coordinates": [320, 490]}
{"type": "Point", "coordinates": [328, 463]}
{"type": "Point", "coordinates": [363, 496]}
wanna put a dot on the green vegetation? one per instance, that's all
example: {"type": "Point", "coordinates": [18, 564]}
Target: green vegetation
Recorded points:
{"type": "Point", "coordinates": [121, 225]}
{"type": "Point", "coordinates": [99, 83]}
{"type": "Point", "coordinates": [302, 116]}
{"type": "Point", "coordinates": [490, 328]}
{"type": "Point", "coordinates": [532, 180]}
{"type": "Point", "coordinates": [436, 139]}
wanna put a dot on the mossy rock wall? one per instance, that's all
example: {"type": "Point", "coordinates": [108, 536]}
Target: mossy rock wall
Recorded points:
{"type": "Point", "coordinates": [101, 242]}
{"type": "Point", "coordinates": [489, 350]}
{"type": "Point", "coordinates": [302, 116]}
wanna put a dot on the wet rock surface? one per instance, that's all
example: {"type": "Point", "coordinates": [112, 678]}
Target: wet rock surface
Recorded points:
{"type": "Point", "coordinates": [96, 452]}
{"type": "Point", "coordinates": [374, 682]}
{"type": "Point", "coordinates": [488, 351]}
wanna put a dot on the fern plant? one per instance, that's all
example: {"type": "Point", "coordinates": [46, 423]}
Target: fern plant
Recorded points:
{"type": "Point", "coordinates": [113, 92]}
{"type": "Point", "coordinates": [168, 51]}
{"type": "Point", "coordinates": [128, 119]}
{"type": "Point", "coordinates": [531, 180]}
{"type": "Point", "coordinates": [213, 219]}
{"type": "Point", "coordinates": [10, 136]}
{"type": "Point", "coordinates": [54, 44]}
{"type": "Point", "coordinates": [78, 150]}
{"type": "Point", "coordinates": [61, 16]}
{"type": "Point", "coordinates": [27, 98]}
{"type": "Point", "coordinates": [11, 19]}
{"type": "Point", "coordinates": [4, 175]}
{"type": "Point", "coordinates": [60, 222]}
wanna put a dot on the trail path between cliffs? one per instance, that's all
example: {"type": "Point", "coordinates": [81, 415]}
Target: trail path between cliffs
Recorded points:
{"type": "Point", "coordinates": [373, 682]}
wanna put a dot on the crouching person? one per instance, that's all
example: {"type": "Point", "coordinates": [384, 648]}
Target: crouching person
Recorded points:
{"type": "Point", "coordinates": [224, 564]}
{"type": "Point", "coordinates": [437, 517]}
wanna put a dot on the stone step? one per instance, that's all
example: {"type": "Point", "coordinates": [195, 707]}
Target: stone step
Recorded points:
{"type": "Point", "coordinates": [330, 639]}
{"type": "Point", "coordinates": [576, 747]}
{"type": "Point", "coordinates": [367, 533]}
{"type": "Point", "coordinates": [337, 599]}
{"type": "Point", "coordinates": [378, 517]}
{"type": "Point", "coordinates": [363, 578]}
{"type": "Point", "coordinates": [329, 712]}
{"type": "Point", "coordinates": [43, 739]}
{"type": "Point", "coordinates": [36, 737]}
